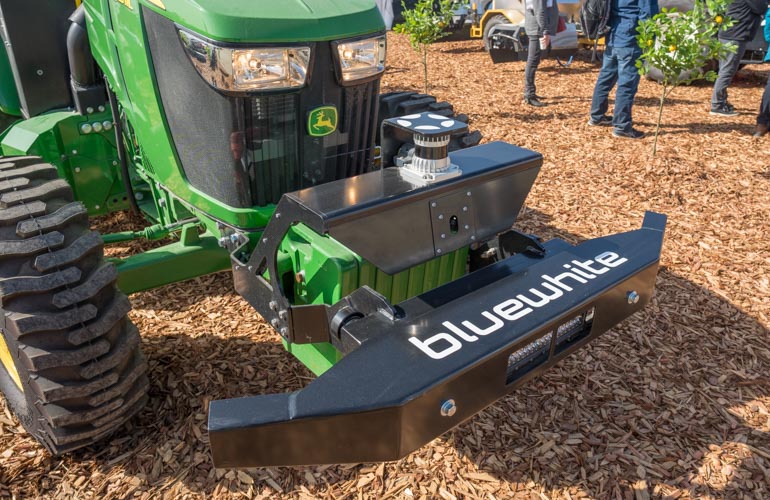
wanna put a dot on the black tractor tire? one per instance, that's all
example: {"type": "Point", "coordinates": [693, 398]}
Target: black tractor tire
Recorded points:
{"type": "Point", "coordinates": [394, 104]}
{"type": "Point", "coordinates": [79, 370]}
{"type": "Point", "coordinates": [494, 21]}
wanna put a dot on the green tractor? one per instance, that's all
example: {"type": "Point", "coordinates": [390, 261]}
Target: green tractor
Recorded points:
{"type": "Point", "coordinates": [371, 231]}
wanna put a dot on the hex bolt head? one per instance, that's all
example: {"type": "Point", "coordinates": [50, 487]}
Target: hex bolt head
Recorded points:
{"type": "Point", "coordinates": [284, 315]}
{"type": "Point", "coordinates": [433, 204]}
{"type": "Point", "coordinates": [465, 209]}
{"type": "Point", "coordinates": [439, 251]}
{"type": "Point", "coordinates": [107, 125]}
{"type": "Point", "coordinates": [443, 236]}
{"type": "Point", "coordinates": [275, 322]}
{"type": "Point", "coordinates": [222, 242]}
{"type": "Point", "coordinates": [100, 108]}
{"type": "Point", "coordinates": [632, 297]}
{"type": "Point", "coordinates": [97, 126]}
{"type": "Point", "coordinates": [448, 408]}
{"type": "Point", "coordinates": [467, 227]}
{"type": "Point", "coordinates": [440, 216]}
{"type": "Point", "coordinates": [86, 128]}
{"type": "Point", "coordinates": [89, 110]}
{"type": "Point", "coordinates": [273, 305]}
{"type": "Point", "coordinates": [234, 238]}
{"type": "Point", "coordinates": [77, 170]}
{"type": "Point", "coordinates": [468, 193]}
{"type": "Point", "coordinates": [284, 331]}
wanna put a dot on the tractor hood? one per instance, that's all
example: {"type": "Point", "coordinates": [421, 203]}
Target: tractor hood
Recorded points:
{"type": "Point", "coordinates": [276, 21]}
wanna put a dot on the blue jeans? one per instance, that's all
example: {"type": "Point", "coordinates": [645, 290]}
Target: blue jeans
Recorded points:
{"type": "Point", "coordinates": [618, 67]}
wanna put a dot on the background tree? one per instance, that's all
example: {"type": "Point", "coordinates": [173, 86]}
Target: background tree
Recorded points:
{"type": "Point", "coordinates": [682, 46]}
{"type": "Point", "coordinates": [424, 24]}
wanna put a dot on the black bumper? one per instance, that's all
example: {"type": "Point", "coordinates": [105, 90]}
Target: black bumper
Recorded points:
{"type": "Point", "coordinates": [454, 351]}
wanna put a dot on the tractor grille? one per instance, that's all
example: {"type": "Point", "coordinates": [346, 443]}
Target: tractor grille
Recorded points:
{"type": "Point", "coordinates": [246, 151]}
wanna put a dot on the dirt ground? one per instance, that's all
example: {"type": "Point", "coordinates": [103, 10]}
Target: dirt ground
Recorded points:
{"type": "Point", "coordinates": [675, 402]}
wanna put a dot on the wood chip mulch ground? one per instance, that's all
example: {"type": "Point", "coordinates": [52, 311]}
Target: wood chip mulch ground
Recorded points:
{"type": "Point", "coordinates": [673, 403]}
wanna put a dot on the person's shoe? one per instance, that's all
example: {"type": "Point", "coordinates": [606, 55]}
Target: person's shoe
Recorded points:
{"type": "Point", "coordinates": [631, 133]}
{"type": "Point", "coordinates": [725, 109]}
{"type": "Point", "coordinates": [601, 122]}
{"type": "Point", "coordinates": [533, 101]}
{"type": "Point", "coordinates": [761, 129]}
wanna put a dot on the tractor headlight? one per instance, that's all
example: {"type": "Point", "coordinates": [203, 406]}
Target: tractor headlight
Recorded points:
{"type": "Point", "coordinates": [243, 69]}
{"type": "Point", "coordinates": [361, 59]}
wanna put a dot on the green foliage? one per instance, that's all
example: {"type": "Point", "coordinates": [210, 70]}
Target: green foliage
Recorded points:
{"type": "Point", "coordinates": [681, 45]}
{"type": "Point", "coordinates": [425, 25]}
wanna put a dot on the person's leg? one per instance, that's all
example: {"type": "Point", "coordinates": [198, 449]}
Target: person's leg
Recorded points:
{"type": "Point", "coordinates": [533, 60]}
{"type": "Point", "coordinates": [764, 106]}
{"type": "Point", "coordinates": [608, 75]}
{"type": "Point", "coordinates": [727, 69]}
{"type": "Point", "coordinates": [628, 83]}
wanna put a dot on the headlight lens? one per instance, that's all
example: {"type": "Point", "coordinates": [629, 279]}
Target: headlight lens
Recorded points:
{"type": "Point", "coordinates": [247, 69]}
{"type": "Point", "coordinates": [361, 58]}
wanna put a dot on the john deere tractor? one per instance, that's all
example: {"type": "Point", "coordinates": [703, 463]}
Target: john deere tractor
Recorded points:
{"type": "Point", "coordinates": [369, 230]}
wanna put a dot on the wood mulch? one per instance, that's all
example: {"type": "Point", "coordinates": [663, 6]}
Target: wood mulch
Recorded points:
{"type": "Point", "coordinates": [674, 403]}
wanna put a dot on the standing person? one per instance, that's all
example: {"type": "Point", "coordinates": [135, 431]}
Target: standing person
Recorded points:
{"type": "Point", "coordinates": [747, 16]}
{"type": "Point", "coordinates": [541, 19]}
{"type": "Point", "coordinates": [763, 118]}
{"type": "Point", "coordinates": [619, 67]}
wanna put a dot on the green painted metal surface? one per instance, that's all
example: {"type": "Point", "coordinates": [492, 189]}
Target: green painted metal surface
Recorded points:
{"type": "Point", "coordinates": [190, 257]}
{"type": "Point", "coordinates": [332, 271]}
{"type": "Point", "coordinates": [89, 162]}
{"type": "Point", "coordinates": [9, 96]}
{"type": "Point", "coordinates": [120, 48]}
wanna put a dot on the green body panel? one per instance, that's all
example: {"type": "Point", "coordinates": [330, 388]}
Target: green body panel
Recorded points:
{"type": "Point", "coordinates": [119, 46]}
{"type": "Point", "coordinates": [9, 96]}
{"type": "Point", "coordinates": [279, 21]}
{"type": "Point", "coordinates": [332, 271]}
{"type": "Point", "coordinates": [87, 161]}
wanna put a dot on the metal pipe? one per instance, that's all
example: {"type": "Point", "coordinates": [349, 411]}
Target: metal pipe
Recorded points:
{"type": "Point", "coordinates": [82, 68]}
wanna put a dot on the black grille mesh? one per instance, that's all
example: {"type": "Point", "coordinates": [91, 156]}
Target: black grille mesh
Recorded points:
{"type": "Point", "coordinates": [248, 151]}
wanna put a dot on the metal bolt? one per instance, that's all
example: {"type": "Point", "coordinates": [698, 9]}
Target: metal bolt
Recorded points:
{"type": "Point", "coordinates": [433, 204]}
{"type": "Point", "coordinates": [222, 242]}
{"type": "Point", "coordinates": [632, 297]}
{"type": "Point", "coordinates": [101, 109]}
{"type": "Point", "coordinates": [86, 128]}
{"type": "Point", "coordinates": [448, 408]}
{"type": "Point", "coordinates": [39, 72]}
{"type": "Point", "coordinates": [438, 250]}
{"type": "Point", "coordinates": [465, 209]}
{"type": "Point", "coordinates": [275, 322]}
{"type": "Point", "coordinates": [473, 238]}
{"type": "Point", "coordinates": [468, 193]}
{"type": "Point", "coordinates": [74, 151]}
{"type": "Point", "coordinates": [251, 268]}
{"type": "Point", "coordinates": [139, 196]}
{"type": "Point", "coordinates": [234, 238]}
{"type": "Point", "coordinates": [283, 315]}
{"type": "Point", "coordinates": [77, 170]}
{"type": "Point", "coordinates": [264, 240]}
{"type": "Point", "coordinates": [278, 215]}
{"type": "Point", "coordinates": [273, 305]}
{"type": "Point", "coordinates": [284, 331]}
{"type": "Point", "coordinates": [97, 127]}
{"type": "Point", "coordinates": [440, 216]}
{"type": "Point", "coordinates": [115, 164]}
{"type": "Point", "coordinates": [162, 202]}
{"type": "Point", "coordinates": [97, 207]}
{"type": "Point", "coordinates": [89, 110]}
{"type": "Point", "coordinates": [299, 277]}
{"type": "Point", "coordinates": [443, 236]}
{"type": "Point", "coordinates": [467, 226]}
{"type": "Point", "coordinates": [107, 125]}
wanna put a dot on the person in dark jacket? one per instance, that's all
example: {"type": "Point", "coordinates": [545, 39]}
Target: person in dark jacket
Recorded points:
{"type": "Point", "coordinates": [541, 19]}
{"type": "Point", "coordinates": [619, 67]}
{"type": "Point", "coordinates": [763, 117]}
{"type": "Point", "coordinates": [747, 16]}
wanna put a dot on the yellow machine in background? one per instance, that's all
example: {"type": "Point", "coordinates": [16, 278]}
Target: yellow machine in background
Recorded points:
{"type": "Point", "coordinates": [487, 14]}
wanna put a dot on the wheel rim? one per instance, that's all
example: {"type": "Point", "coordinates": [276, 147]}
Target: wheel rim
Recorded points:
{"type": "Point", "coordinates": [8, 364]}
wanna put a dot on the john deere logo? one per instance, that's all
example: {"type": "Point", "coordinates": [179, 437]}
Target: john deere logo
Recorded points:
{"type": "Point", "coordinates": [322, 121]}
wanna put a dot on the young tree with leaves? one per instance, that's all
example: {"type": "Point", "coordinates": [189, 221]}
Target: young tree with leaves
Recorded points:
{"type": "Point", "coordinates": [424, 24]}
{"type": "Point", "coordinates": [681, 45]}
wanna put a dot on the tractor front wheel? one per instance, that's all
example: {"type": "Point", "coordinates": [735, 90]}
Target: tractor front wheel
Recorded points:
{"type": "Point", "coordinates": [71, 367]}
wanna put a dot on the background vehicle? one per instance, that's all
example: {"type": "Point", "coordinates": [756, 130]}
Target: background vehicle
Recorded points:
{"type": "Point", "coordinates": [500, 24]}
{"type": "Point", "coordinates": [248, 137]}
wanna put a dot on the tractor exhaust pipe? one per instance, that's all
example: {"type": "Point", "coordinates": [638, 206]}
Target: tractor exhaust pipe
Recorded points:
{"type": "Point", "coordinates": [88, 94]}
